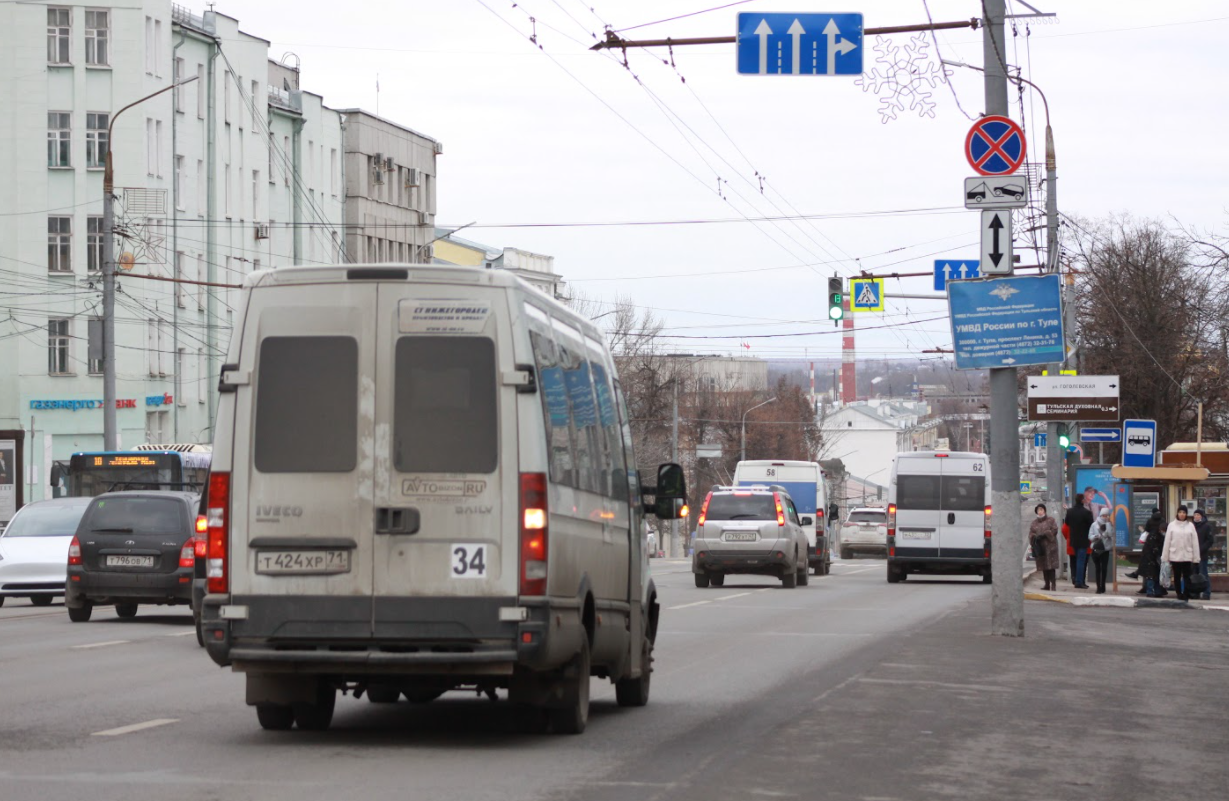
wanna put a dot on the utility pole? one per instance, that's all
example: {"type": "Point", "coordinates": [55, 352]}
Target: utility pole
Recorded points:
{"type": "Point", "coordinates": [110, 431]}
{"type": "Point", "coordinates": [1007, 550]}
{"type": "Point", "coordinates": [674, 457]}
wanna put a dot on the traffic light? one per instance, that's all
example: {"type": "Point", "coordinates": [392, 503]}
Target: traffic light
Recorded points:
{"type": "Point", "coordinates": [1064, 437]}
{"type": "Point", "coordinates": [836, 299]}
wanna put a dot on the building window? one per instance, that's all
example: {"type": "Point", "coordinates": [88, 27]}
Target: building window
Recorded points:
{"type": "Point", "coordinates": [93, 244]}
{"type": "Point", "coordinates": [200, 283]}
{"type": "Point", "coordinates": [149, 45]}
{"type": "Point", "coordinates": [155, 427]}
{"type": "Point", "coordinates": [59, 31]}
{"type": "Point", "coordinates": [150, 156]}
{"type": "Point", "coordinates": [226, 191]}
{"type": "Point", "coordinates": [94, 363]}
{"type": "Point", "coordinates": [201, 366]}
{"type": "Point", "coordinates": [57, 347]}
{"type": "Point", "coordinates": [180, 277]}
{"type": "Point", "coordinates": [333, 172]}
{"type": "Point", "coordinates": [177, 77]}
{"type": "Point", "coordinates": [226, 96]}
{"type": "Point", "coordinates": [179, 374]}
{"type": "Point", "coordinates": [59, 139]}
{"type": "Point", "coordinates": [179, 182]}
{"type": "Point", "coordinates": [157, 341]}
{"type": "Point", "coordinates": [97, 37]}
{"type": "Point", "coordinates": [96, 139]}
{"type": "Point", "coordinates": [201, 197]}
{"type": "Point", "coordinates": [158, 48]}
{"type": "Point", "coordinates": [254, 104]}
{"type": "Point", "coordinates": [158, 148]}
{"type": "Point", "coordinates": [59, 244]}
{"type": "Point", "coordinates": [200, 91]}
{"type": "Point", "coordinates": [255, 193]}
{"type": "Point", "coordinates": [286, 154]}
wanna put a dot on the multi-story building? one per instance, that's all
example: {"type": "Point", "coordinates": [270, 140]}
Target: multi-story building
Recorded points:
{"type": "Point", "coordinates": [536, 268]}
{"type": "Point", "coordinates": [235, 169]}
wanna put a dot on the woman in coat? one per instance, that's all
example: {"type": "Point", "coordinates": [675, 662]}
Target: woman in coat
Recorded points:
{"type": "Point", "coordinates": [1043, 534]}
{"type": "Point", "coordinates": [1150, 556]}
{"type": "Point", "coordinates": [1181, 551]}
{"type": "Point", "coordinates": [1101, 543]}
{"type": "Point", "coordinates": [1207, 535]}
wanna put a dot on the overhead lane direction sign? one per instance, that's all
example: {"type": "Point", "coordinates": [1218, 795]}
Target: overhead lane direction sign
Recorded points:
{"type": "Point", "coordinates": [866, 294]}
{"type": "Point", "coordinates": [955, 270]}
{"type": "Point", "coordinates": [1100, 434]}
{"type": "Point", "coordinates": [1006, 322]}
{"type": "Point", "coordinates": [995, 192]}
{"type": "Point", "coordinates": [800, 44]}
{"type": "Point", "coordinates": [995, 146]}
{"type": "Point", "coordinates": [996, 258]}
{"type": "Point", "coordinates": [1139, 443]}
{"type": "Point", "coordinates": [1082, 398]}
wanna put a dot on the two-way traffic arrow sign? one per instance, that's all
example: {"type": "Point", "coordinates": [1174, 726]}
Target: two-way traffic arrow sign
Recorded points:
{"type": "Point", "coordinates": [996, 257]}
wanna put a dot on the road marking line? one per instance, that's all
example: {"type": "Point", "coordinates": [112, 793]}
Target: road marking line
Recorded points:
{"type": "Point", "coordinates": [985, 688]}
{"type": "Point", "coordinates": [684, 606]}
{"type": "Point", "coordinates": [99, 644]}
{"type": "Point", "coordinates": [149, 724]}
{"type": "Point", "coordinates": [864, 570]}
{"type": "Point", "coordinates": [735, 595]}
{"type": "Point", "coordinates": [180, 633]}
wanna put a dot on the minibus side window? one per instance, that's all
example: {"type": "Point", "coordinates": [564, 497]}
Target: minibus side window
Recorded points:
{"type": "Point", "coordinates": [555, 413]}
{"type": "Point", "coordinates": [307, 384]}
{"type": "Point", "coordinates": [615, 470]}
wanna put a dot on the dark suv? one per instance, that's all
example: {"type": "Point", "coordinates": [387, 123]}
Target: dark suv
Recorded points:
{"type": "Point", "coordinates": [132, 548]}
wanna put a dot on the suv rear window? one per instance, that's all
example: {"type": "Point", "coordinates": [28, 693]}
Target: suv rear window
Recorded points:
{"type": "Point", "coordinates": [867, 517]}
{"type": "Point", "coordinates": [138, 515]}
{"type": "Point", "coordinates": [307, 405]}
{"type": "Point", "coordinates": [444, 407]}
{"type": "Point", "coordinates": [741, 507]}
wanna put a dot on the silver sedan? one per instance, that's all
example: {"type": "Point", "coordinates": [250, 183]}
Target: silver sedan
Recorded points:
{"type": "Point", "coordinates": [34, 549]}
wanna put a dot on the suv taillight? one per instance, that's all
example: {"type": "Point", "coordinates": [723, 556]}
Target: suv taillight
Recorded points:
{"type": "Point", "coordinates": [703, 511]}
{"type": "Point", "coordinates": [217, 526]}
{"type": "Point", "coordinates": [74, 551]}
{"type": "Point", "coordinates": [534, 533]}
{"type": "Point", "coordinates": [187, 554]}
{"type": "Point", "coordinates": [776, 499]}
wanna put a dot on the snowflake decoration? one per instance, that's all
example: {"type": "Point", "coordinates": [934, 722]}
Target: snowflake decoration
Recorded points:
{"type": "Point", "coordinates": [903, 78]}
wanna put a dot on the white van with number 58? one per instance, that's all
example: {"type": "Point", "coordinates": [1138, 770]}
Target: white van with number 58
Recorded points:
{"type": "Point", "coordinates": [423, 480]}
{"type": "Point", "coordinates": [939, 514]}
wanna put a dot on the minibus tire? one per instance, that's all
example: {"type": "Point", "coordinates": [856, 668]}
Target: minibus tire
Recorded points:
{"type": "Point", "coordinates": [274, 717]}
{"type": "Point", "coordinates": [572, 715]}
{"type": "Point", "coordinates": [317, 715]}
{"type": "Point", "coordinates": [383, 695]}
{"type": "Point", "coordinates": [635, 692]}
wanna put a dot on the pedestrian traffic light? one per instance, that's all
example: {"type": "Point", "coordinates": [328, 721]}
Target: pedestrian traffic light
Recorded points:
{"type": "Point", "coordinates": [836, 299]}
{"type": "Point", "coordinates": [1064, 437]}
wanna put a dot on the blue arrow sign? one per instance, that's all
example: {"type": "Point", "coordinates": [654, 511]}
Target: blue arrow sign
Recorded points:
{"type": "Point", "coordinates": [1100, 435]}
{"type": "Point", "coordinates": [955, 270]}
{"type": "Point", "coordinates": [1006, 322]}
{"type": "Point", "coordinates": [1139, 443]}
{"type": "Point", "coordinates": [800, 44]}
{"type": "Point", "coordinates": [1039, 440]}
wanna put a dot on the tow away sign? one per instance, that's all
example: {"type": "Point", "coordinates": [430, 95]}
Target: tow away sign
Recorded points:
{"type": "Point", "coordinates": [1070, 398]}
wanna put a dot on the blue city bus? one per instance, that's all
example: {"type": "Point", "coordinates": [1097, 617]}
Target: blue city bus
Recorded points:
{"type": "Point", "coordinates": [158, 467]}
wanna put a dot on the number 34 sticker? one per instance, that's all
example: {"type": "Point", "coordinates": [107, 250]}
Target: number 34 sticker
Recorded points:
{"type": "Point", "coordinates": [468, 560]}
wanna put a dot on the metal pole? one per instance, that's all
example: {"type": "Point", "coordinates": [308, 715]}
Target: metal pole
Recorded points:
{"type": "Point", "coordinates": [743, 450]}
{"type": "Point", "coordinates": [211, 237]}
{"type": "Point", "coordinates": [1007, 552]}
{"type": "Point", "coordinates": [674, 457]}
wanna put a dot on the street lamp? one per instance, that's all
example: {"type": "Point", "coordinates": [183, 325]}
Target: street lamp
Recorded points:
{"type": "Point", "coordinates": [110, 440]}
{"type": "Point", "coordinates": [743, 449]}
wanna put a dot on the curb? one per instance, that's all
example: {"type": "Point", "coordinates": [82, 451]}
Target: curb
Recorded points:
{"type": "Point", "coordinates": [1120, 603]}
{"type": "Point", "coordinates": [1036, 596]}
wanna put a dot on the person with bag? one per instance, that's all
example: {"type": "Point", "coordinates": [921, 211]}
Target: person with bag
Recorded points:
{"type": "Point", "coordinates": [1043, 535]}
{"type": "Point", "coordinates": [1150, 557]}
{"type": "Point", "coordinates": [1078, 521]}
{"type": "Point", "coordinates": [1206, 530]}
{"type": "Point", "coordinates": [1101, 539]}
{"type": "Point", "coordinates": [1181, 551]}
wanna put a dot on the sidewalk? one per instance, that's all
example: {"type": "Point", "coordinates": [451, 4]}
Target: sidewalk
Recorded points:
{"type": "Point", "coordinates": [1127, 596]}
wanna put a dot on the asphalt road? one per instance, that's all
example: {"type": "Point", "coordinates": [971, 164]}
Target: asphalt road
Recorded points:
{"type": "Point", "coordinates": [755, 694]}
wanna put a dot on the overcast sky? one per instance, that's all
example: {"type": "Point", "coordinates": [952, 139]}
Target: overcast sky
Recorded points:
{"type": "Point", "coordinates": [563, 135]}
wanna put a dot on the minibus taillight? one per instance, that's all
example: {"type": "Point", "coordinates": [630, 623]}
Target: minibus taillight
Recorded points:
{"type": "Point", "coordinates": [704, 511]}
{"type": "Point", "coordinates": [217, 533]}
{"type": "Point", "coordinates": [776, 498]}
{"type": "Point", "coordinates": [986, 525]}
{"type": "Point", "coordinates": [891, 520]}
{"type": "Point", "coordinates": [534, 531]}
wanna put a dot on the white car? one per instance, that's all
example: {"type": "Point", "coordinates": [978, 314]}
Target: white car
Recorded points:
{"type": "Point", "coordinates": [650, 540]}
{"type": "Point", "coordinates": [34, 549]}
{"type": "Point", "coordinates": [865, 531]}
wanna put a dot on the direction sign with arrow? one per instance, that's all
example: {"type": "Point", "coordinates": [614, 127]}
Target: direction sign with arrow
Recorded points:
{"type": "Point", "coordinates": [1085, 398]}
{"type": "Point", "coordinates": [996, 243]}
{"type": "Point", "coordinates": [800, 44]}
{"type": "Point", "coordinates": [955, 270]}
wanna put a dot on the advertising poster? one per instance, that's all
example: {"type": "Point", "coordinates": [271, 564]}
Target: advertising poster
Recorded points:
{"type": "Point", "coordinates": [1096, 485]}
{"type": "Point", "coordinates": [8, 480]}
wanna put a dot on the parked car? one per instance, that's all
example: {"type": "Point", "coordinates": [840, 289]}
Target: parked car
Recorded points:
{"type": "Point", "coordinates": [865, 531]}
{"type": "Point", "coordinates": [132, 548]}
{"type": "Point", "coordinates": [650, 540]}
{"type": "Point", "coordinates": [34, 547]}
{"type": "Point", "coordinates": [749, 530]}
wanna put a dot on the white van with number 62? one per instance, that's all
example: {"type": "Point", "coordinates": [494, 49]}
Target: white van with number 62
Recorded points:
{"type": "Point", "coordinates": [939, 514]}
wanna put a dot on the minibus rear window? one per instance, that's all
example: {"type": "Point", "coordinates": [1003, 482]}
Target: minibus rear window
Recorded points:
{"type": "Point", "coordinates": [949, 494]}
{"type": "Point", "coordinates": [444, 415]}
{"type": "Point", "coordinates": [307, 405]}
{"type": "Point", "coordinates": [917, 492]}
{"type": "Point", "coordinates": [964, 493]}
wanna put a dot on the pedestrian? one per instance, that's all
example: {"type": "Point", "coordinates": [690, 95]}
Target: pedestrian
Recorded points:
{"type": "Point", "coordinates": [1206, 530]}
{"type": "Point", "coordinates": [1150, 557]}
{"type": "Point", "coordinates": [1101, 539]}
{"type": "Point", "coordinates": [1181, 551]}
{"type": "Point", "coordinates": [1043, 535]}
{"type": "Point", "coordinates": [1078, 521]}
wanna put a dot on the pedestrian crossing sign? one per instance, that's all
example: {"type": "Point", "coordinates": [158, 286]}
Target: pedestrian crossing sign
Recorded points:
{"type": "Point", "coordinates": [866, 294]}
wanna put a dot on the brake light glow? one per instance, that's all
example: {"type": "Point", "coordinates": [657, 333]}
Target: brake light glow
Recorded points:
{"type": "Point", "coordinates": [534, 534]}
{"type": "Point", "coordinates": [987, 528]}
{"type": "Point", "coordinates": [187, 554]}
{"type": "Point", "coordinates": [704, 509]}
{"type": "Point", "coordinates": [74, 552]}
{"type": "Point", "coordinates": [685, 511]}
{"type": "Point", "coordinates": [941, 455]}
{"type": "Point", "coordinates": [891, 520]}
{"type": "Point", "coordinates": [217, 532]}
{"type": "Point", "coordinates": [819, 513]}
{"type": "Point", "coordinates": [202, 524]}
{"type": "Point", "coordinates": [776, 498]}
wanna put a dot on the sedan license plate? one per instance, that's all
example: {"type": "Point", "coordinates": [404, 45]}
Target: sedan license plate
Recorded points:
{"type": "Point", "coordinates": [130, 561]}
{"type": "Point", "coordinates": [302, 563]}
{"type": "Point", "coordinates": [741, 536]}
{"type": "Point", "coordinates": [915, 535]}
